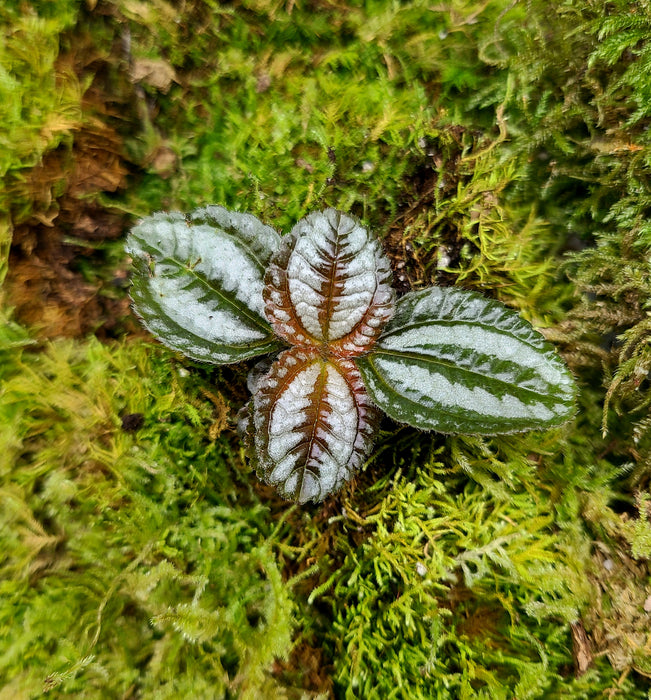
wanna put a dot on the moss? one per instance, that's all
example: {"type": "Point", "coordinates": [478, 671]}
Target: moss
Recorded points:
{"type": "Point", "coordinates": [129, 560]}
{"type": "Point", "coordinates": [39, 102]}
{"type": "Point", "coordinates": [498, 146]}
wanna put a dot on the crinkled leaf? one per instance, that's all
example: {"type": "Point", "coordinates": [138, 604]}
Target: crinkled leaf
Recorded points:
{"type": "Point", "coordinates": [198, 282]}
{"type": "Point", "coordinates": [453, 361]}
{"type": "Point", "coordinates": [329, 285]}
{"type": "Point", "coordinates": [312, 424]}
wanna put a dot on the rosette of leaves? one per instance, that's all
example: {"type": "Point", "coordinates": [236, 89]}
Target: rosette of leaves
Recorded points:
{"type": "Point", "coordinates": [221, 287]}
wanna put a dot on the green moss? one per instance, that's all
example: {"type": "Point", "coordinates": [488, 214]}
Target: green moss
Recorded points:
{"type": "Point", "coordinates": [130, 559]}
{"type": "Point", "coordinates": [39, 105]}
{"type": "Point", "coordinates": [280, 112]}
{"type": "Point", "coordinates": [40, 102]}
{"type": "Point", "coordinates": [499, 146]}
{"type": "Point", "coordinates": [452, 590]}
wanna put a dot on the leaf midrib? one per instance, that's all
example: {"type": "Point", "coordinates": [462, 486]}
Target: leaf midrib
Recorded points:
{"type": "Point", "coordinates": [489, 421]}
{"type": "Point", "coordinates": [428, 359]}
{"type": "Point", "coordinates": [240, 308]}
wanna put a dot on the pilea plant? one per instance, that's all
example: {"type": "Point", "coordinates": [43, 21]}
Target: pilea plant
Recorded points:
{"type": "Point", "coordinates": [221, 286]}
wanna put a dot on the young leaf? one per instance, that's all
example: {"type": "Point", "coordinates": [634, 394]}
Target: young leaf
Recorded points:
{"type": "Point", "coordinates": [313, 424]}
{"type": "Point", "coordinates": [198, 282]}
{"type": "Point", "coordinates": [453, 361]}
{"type": "Point", "coordinates": [329, 285]}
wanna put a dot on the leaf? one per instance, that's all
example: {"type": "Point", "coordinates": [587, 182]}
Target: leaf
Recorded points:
{"type": "Point", "coordinates": [198, 282]}
{"type": "Point", "coordinates": [313, 424]}
{"type": "Point", "coordinates": [329, 285]}
{"type": "Point", "coordinates": [453, 361]}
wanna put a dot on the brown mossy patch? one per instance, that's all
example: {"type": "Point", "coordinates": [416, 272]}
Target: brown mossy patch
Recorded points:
{"type": "Point", "coordinates": [61, 280]}
{"type": "Point", "coordinates": [306, 669]}
{"type": "Point", "coordinates": [54, 280]}
{"type": "Point", "coordinates": [618, 620]}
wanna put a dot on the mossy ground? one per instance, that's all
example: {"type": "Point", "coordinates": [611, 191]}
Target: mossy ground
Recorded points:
{"type": "Point", "coordinates": [500, 146]}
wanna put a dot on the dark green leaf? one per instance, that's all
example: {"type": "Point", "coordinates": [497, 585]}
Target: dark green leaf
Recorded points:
{"type": "Point", "coordinates": [198, 282]}
{"type": "Point", "coordinates": [453, 361]}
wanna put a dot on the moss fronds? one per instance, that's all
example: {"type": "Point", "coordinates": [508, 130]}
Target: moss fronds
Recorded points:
{"type": "Point", "coordinates": [130, 562]}
{"type": "Point", "coordinates": [500, 146]}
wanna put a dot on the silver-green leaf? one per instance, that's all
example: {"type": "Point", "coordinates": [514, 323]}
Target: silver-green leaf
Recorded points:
{"type": "Point", "coordinates": [312, 424]}
{"type": "Point", "coordinates": [453, 361]}
{"type": "Point", "coordinates": [198, 279]}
